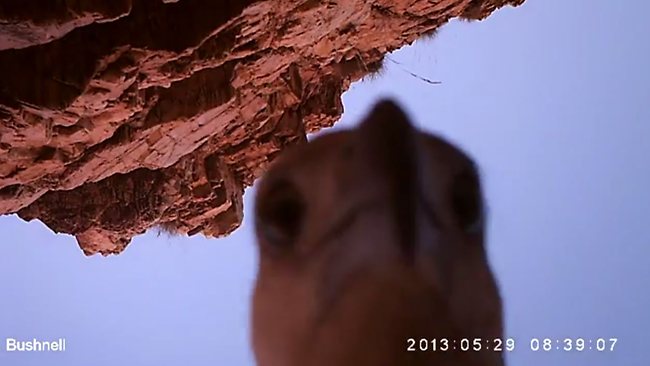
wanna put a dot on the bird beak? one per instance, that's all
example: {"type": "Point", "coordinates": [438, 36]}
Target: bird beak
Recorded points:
{"type": "Point", "coordinates": [388, 146]}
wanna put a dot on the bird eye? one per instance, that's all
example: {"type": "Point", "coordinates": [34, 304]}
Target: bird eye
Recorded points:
{"type": "Point", "coordinates": [280, 211]}
{"type": "Point", "coordinates": [467, 202]}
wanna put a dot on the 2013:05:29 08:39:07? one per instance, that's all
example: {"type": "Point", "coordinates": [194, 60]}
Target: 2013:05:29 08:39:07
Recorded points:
{"type": "Point", "coordinates": [508, 344]}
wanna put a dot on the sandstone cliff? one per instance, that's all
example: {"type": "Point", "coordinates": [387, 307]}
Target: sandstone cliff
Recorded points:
{"type": "Point", "coordinates": [119, 115]}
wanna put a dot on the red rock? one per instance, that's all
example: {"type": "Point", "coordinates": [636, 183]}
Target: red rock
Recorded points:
{"type": "Point", "coordinates": [118, 116]}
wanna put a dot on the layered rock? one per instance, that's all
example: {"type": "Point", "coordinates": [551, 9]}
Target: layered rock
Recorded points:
{"type": "Point", "coordinates": [116, 116]}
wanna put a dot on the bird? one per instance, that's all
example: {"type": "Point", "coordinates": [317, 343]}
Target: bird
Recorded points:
{"type": "Point", "coordinates": [371, 244]}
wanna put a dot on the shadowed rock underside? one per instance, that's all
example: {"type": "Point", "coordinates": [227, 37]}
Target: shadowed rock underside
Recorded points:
{"type": "Point", "coordinates": [119, 116]}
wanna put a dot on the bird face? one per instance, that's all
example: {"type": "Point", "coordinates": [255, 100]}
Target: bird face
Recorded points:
{"type": "Point", "coordinates": [369, 237]}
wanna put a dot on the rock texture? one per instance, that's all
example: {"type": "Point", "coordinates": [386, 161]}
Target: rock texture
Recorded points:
{"type": "Point", "coordinates": [116, 116]}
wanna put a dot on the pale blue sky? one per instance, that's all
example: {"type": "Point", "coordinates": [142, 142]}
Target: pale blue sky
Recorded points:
{"type": "Point", "coordinates": [551, 98]}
